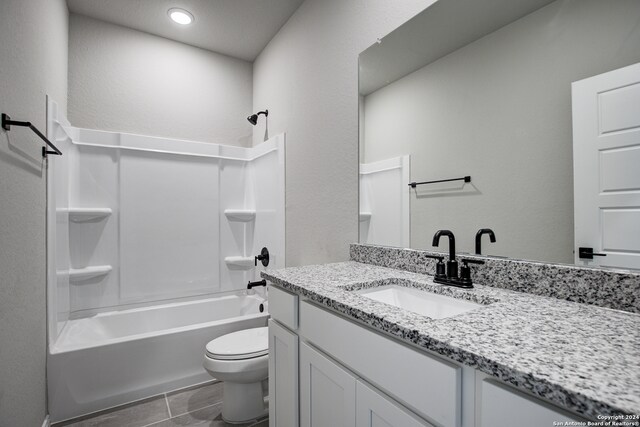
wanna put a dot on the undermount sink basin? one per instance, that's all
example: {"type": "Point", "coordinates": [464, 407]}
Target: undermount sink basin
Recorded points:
{"type": "Point", "coordinates": [421, 302]}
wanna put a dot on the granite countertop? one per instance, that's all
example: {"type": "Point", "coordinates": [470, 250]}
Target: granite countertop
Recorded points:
{"type": "Point", "coordinates": [579, 356]}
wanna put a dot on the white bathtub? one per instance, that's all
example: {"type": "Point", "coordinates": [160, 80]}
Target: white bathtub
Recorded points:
{"type": "Point", "coordinates": [121, 356]}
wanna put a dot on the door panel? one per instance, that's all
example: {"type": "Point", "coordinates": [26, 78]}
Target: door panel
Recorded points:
{"type": "Point", "coordinates": [283, 376]}
{"type": "Point", "coordinates": [606, 151]}
{"type": "Point", "coordinates": [376, 410]}
{"type": "Point", "coordinates": [504, 407]}
{"type": "Point", "coordinates": [327, 392]}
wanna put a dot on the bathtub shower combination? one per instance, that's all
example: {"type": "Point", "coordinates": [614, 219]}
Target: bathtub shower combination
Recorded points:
{"type": "Point", "coordinates": [151, 242]}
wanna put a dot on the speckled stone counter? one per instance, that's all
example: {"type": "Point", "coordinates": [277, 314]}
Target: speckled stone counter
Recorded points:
{"type": "Point", "coordinates": [581, 357]}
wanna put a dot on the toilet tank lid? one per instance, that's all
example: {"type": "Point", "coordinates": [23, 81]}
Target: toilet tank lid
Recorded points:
{"type": "Point", "coordinates": [249, 342]}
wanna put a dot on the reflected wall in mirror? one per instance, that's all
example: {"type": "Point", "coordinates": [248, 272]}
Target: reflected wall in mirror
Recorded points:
{"type": "Point", "coordinates": [484, 88]}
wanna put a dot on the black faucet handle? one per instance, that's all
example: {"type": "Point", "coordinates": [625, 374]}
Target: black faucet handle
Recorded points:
{"type": "Point", "coordinates": [263, 257]}
{"type": "Point", "coordinates": [440, 267]}
{"type": "Point", "coordinates": [465, 270]}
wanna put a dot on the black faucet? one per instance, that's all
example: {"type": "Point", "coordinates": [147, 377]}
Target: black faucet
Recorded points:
{"type": "Point", "coordinates": [251, 284]}
{"type": "Point", "coordinates": [479, 234]}
{"type": "Point", "coordinates": [452, 264]}
{"type": "Point", "coordinates": [451, 278]}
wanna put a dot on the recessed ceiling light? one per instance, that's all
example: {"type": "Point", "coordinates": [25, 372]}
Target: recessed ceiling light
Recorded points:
{"type": "Point", "coordinates": [180, 16]}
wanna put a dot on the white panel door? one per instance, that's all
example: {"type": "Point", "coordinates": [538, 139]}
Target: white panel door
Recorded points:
{"type": "Point", "coordinates": [606, 167]}
{"type": "Point", "coordinates": [376, 410]}
{"type": "Point", "coordinates": [327, 392]}
{"type": "Point", "coordinates": [283, 376]}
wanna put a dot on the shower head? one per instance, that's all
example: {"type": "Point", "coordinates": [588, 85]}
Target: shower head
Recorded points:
{"type": "Point", "coordinates": [253, 119]}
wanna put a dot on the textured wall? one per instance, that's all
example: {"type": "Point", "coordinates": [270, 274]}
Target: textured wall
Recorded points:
{"type": "Point", "coordinates": [129, 81]}
{"type": "Point", "coordinates": [499, 110]}
{"type": "Point", "coordinates": [307, 77]}
{"type": "Point", "coordinates": [33, 64]}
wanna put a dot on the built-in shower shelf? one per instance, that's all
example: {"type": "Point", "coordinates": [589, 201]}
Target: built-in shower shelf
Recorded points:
{"type": "Point", "coordinates": [78, 274]}
{"type": "Point", "coordinates": [240, 215]}
{"type": "Point", "coordinates": [365, 216]}
{"type": "Point", "coordinates": [86, 214]}
{"type": "Point", "coordinates": [239, 262]}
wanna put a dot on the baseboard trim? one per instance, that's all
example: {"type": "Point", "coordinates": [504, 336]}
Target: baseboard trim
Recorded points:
{"type": "Point", "coordinates": [46, 422]}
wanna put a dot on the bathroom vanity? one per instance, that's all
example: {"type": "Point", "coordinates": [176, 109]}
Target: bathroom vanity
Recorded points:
{"type": "Point", "coordinates": [348, 349]}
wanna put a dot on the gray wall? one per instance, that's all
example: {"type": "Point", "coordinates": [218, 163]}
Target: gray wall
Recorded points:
{"type": "Point", "coordinates": [499, 110]}
{"type": "Point", "coordinates": [33, 64]}
{"type": "Point", "coordinates": [307, 77]}
{"type": "Point", "coordinates": [129, 81]}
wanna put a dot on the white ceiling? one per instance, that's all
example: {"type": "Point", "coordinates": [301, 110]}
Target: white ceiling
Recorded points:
{"type": "Point", "coordinates": [238, 28]}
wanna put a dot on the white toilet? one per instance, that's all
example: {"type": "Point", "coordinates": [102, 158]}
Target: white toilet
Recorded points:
{"type": "Point", "coordinates": [241, 360]}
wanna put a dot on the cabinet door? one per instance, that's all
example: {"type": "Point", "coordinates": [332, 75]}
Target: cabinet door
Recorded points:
{"type": "Point", "coordinates": [430, 386]}
{"type": "Point", "coordinates": [327, 392]}
{"type": "Point", "coordinates": [376, 410]}
{"type": "Point", "coordinates": [283, 376]}
{"type": "Point", "coordinates": [502, 406]}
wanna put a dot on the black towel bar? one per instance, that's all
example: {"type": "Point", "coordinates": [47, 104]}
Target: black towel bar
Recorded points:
{"type": "Point", "coordinates": [6, 125]}
{"type": "Point", "coordinates": [465, 178]}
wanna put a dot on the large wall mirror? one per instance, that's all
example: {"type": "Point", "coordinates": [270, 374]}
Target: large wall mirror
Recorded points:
{"type": "Point", "coordinates": [483, 89]}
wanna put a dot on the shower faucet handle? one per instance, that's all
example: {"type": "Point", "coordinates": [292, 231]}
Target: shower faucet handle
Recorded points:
{"type": "Point", "coordinates": [263, 257]}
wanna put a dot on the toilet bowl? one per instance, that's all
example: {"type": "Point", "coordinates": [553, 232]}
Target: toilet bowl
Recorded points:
{"type": "Point", "coordinates": [241, 360]}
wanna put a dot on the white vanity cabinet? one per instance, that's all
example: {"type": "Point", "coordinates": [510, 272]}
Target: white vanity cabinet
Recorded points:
{"type": "Point", "coordinates": [430, 386]}
{"type": "Point", "coordinates": [283, 359]}
{"type": "Point", "coordinates": [283, 376]}
{"type": "Point", "coordinates": [330, 395]}
{"type": "Point", "coordinates": [376, 410]}
{"type": "Point", "coordinates": [499, 405]}
{"type": "Point", "coordinates": [329, 371]}
{"type": "Point", "coordinates": [327, 391]}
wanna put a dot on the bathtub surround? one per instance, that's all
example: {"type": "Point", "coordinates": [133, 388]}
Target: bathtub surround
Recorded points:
{"type": "Point", "coordinates": [152, 243]}
{"type": "Point", "coordinates": [308, 78]}
{"type": "Point", "coordinates": [129, 81]}
{"type": "Point", "coordinates": [33, 64]}
{"type": "Point", "coordinates": [616, 289]}
{"type": "Point", "coordinates": [143, 220]}
{"type": "Point", "coordinates": [557, 350]}
{"type": "Point", "coordinates": [384, 211]}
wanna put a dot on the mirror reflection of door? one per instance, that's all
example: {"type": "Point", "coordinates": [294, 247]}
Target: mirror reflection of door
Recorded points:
{"type": "Point", "coordinates": [606, 159]}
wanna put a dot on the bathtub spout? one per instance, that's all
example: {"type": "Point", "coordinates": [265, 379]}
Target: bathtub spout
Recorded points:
{"type": "Point", "coordinates": [262, 282]}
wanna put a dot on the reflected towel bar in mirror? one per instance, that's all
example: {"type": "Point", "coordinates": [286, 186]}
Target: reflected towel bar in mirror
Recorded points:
{"type": "Point", "coordinates": [6, 125]}
{"type": "Point", "coordinates": [464, 178]}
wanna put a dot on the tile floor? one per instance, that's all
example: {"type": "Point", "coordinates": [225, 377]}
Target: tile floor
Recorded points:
{"type": "Point", "coordinates": [196, 406]}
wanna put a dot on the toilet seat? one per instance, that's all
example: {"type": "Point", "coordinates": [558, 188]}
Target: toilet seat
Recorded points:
{"type": "Point", "coordinates": [245, 344]}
